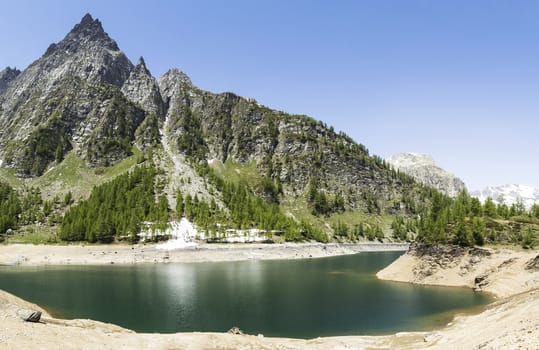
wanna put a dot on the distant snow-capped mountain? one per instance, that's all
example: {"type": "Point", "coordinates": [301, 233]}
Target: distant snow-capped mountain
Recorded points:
{"type": "Point", "coordinates": [529, 195]}
{"type": "Point", "coordinates": [423, 169]}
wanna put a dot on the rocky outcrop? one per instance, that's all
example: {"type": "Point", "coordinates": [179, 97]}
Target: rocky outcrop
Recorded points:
{"type": "Point", "coordinates": [442, 256]}
{"type": "Point", "coordinates": [142, 89]}
{"type": "Point", "coordinates": [6, 76]}
{"type": "Point", "coordinates": [29, 315]}
{"type": "Point", "coordinates": [423, 169]}
{"type": "Point", "coordinates": [499, 271]}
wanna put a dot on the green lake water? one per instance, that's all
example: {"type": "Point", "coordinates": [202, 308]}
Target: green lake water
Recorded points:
{"type": "Point", "coordinates": [288, 298]}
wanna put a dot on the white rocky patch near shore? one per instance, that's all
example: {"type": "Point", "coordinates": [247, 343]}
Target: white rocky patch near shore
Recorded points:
{"type": "Point", "coordinates": [183, 234]}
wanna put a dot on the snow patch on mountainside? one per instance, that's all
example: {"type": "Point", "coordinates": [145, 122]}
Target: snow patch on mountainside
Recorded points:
{"type": "Point", "coordinates": [509, 194]}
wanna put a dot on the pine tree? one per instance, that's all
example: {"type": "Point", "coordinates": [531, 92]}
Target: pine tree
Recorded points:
{"type": "Point", "coordinates": [179, 204]}
{"type": "Point", "coordinates": [463, 234]}
{"type": "Point", "coordinates": [489, 208]}
{"type": "Point", "coordinates": [478, 231]}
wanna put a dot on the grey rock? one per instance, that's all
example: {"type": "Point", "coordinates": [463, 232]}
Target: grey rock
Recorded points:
{"type": "Point", "coordinates": [481, 281]}
{"type": "Point", "coordinates": [235, 330]}
{"type": "Point", "coordinates": [70, 98]}
{"type": "Point", "coordinates": [533, 264]}
{"type": "Point", "coordinates": [29, 315]}
{"type": "Point", "coordinates": [6, 76]}
{"type": "Point", "coordinates": [142, 89]}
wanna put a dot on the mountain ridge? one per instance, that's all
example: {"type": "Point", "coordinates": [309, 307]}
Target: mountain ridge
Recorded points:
{"type": "Point", "coordinates": [509, 194]}
{"type": "Point", "coordinates": [85, 100]}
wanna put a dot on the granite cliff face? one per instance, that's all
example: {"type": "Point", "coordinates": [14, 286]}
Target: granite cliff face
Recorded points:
{"type": "Point", "coordinates": [85, 97]}
{"type": "Point", "coordinates": [423, 168]}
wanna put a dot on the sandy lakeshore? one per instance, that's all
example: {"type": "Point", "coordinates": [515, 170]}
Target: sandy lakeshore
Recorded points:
{"type": "Point", "coordinates": [512, 322]}
{"type": "Point", "coordinates": [27, 254]}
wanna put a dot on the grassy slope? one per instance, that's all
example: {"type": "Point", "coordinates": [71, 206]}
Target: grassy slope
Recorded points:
{"type": "Point", "coordinates": [73, 174]}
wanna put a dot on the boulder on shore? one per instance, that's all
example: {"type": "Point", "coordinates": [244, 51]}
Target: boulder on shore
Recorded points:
{"type": "Point", "coordinates": [29, 315]}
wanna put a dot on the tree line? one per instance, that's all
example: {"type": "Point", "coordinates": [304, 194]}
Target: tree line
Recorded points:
{"type": "Point", "coordinates": [466, 221]}
{"type": "Point", "coordinates": [27, 207]}
{"type": "Point", "coordinates": [117, 209]}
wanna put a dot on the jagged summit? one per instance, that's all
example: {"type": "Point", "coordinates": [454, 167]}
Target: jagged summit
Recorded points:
{"type": "Point", "coordinates": [423, 169]}
{"type": "Point", "coordinates": [87, 20]}
{"type": "Point", "coordinates": [90, 27]}
{"type": "Point", "coordinates": [69, 98]}
{"type": "Point", "coordinates": [141, 65]}
{"type": "Point", "coordinates": [142, 88]}
{"type": "Point", "coordinates": [82, 35]}
{"type": "Point", "coordinates": [172, 84]}
{"type": "Point", "coordinates": [176, 74]}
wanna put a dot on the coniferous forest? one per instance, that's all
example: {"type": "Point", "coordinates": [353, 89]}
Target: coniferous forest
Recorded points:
{"type": "Point", "coordinates": [118, 210]}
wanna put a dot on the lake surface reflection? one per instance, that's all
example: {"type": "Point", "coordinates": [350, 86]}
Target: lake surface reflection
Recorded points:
{"type": "Point", "coordinates": [292, 298]}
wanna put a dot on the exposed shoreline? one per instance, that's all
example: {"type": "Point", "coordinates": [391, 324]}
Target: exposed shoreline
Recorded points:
{"type": "Point", "coordinates": [502, 272]}
{"type": "Point", "coordinates": [511, 322]}
{"type": "Point", "coordinates": [35, 255]}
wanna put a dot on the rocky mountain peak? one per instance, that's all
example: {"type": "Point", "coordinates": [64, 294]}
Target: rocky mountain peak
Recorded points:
{"type": "Point", "coordinates": [84, 35]}
{"type": "Point", "coordinates": [86, 52]}
{"type": "Point", "coordinates": [142, 89]}
{"type": "Point", "coordinates": [141, 66]}
{"type": "Point", "coordinates": [423, 169]}
{"type": "Point", "coordinates": [69, 98]}
{"type": "Point", "coordinates": [176, 75]}
{"type": "Point", "coordinates": [87, 20]}
{"type": "Point", "coordinates": [91, 29]}
{"type": "Point", "coordinates": [173, 84]}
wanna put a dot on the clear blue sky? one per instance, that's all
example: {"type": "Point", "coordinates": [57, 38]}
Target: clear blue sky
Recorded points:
{"type": "Point", "coordinates": [456, 79]}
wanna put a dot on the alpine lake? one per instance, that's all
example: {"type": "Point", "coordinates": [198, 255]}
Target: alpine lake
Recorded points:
{"type": "Point", "coordinates": [286, 298]}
